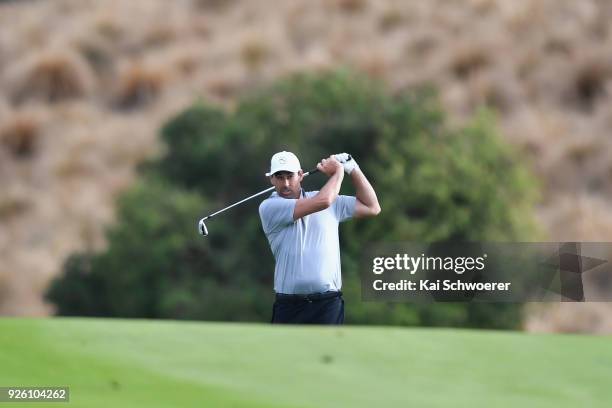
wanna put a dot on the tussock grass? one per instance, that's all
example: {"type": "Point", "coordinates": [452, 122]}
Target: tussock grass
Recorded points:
{"type": "Point", "coordinates": [20, 134]}
{"type": "Point", "coordinates": [51, 76]}
{"type": "Point", "coordinates": [350, 6]}
{"type": "Point", "coordinates": [222, 85]}
{"type": "Point", "coordinates": [467, 59]}
{"type": "Point", "coordinates": [13, 203]}
{"type": "Point", "coordinates": [109, 27]}
{"type": "Point", "coordinates": [213, 5]}
{"type": "Point", "coordinates": [588, 85]}
{"type": "Point", "coordinates": [98, 52]}
{"type": "Point", "coordinates": [139, 85]}
{"type": "Point", "coordinates": [390, 19]}
{"type": "Point", "coordinates": [254, 52]}
{"type": "Point", "coordinates": [569, 318]}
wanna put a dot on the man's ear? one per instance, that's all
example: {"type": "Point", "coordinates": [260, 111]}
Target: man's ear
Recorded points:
{"type": "Point", "coordinates": [271, 182]}
{"type": "Point", "coordinates": [301, 175]}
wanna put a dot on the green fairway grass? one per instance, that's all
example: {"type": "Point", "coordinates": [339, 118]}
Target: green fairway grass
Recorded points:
{"type": "Point", "coordinates": [151, 363]}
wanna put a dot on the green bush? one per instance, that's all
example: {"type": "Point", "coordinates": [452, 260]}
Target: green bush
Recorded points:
{"type": "Point", "coordinates": [155, 265]}
{"type": "Point", "coordinates": [434, 183]}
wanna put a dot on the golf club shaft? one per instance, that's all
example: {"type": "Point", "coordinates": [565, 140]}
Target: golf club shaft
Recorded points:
{"type": "Point", "coordinates": [253, 196]}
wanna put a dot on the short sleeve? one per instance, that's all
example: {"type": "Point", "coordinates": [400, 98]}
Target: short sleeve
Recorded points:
{"type": "Point", "coordinates": [276, 213]}
{"type": "Point", "coordinates": [344, 207]}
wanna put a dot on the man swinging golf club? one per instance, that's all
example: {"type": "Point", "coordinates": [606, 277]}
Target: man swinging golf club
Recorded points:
{"type": "Point", "coordinates": [302, 229]}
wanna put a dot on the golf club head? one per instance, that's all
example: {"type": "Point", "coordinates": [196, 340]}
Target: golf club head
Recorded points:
{"type": "Point", "coordinates": [202, 228]}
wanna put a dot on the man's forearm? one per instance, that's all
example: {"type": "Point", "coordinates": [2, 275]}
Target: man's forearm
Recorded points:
{"type": "Point", "coordinates": [329, 192]}
{"type": "Point", "coordinates": [364, 192]}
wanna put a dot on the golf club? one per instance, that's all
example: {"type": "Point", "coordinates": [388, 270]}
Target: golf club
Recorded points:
{"type": "Point", "coordinates": [202, 225]}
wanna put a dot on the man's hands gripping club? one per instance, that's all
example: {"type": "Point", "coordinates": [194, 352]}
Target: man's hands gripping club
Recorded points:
{"type": "Point", "coordinates": [348, 162]}
{"type": "Point", "coordinates": [330, 166]}
{"type": "Point", "coordinates": [333, 169]}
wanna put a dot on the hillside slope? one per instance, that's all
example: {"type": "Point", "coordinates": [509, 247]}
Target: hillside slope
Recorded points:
{"type": "Point", "coordinates": [85, 85]}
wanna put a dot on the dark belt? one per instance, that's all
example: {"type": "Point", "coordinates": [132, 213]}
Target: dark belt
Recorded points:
{"type": "Point", "coordinates": [313, 297]}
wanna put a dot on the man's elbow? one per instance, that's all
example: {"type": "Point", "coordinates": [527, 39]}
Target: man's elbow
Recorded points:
{"type": "Point", "coordinates": [327, 202]}
{"type": "Point", "coordinates": [376, 210]}
{"type": "Point", "coordinates": [370, 211]}
{"type": "Point", "coordinates": [324, 201]}
{"type": "Point", "coordinates": [362, 210]}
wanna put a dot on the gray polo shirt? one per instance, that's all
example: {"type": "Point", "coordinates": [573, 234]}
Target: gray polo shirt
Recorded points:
{"type": "Point", "coordinates": [307, 251]}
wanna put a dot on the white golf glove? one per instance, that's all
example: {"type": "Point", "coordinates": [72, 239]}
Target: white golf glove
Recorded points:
{"type": "Point", "coordinates": [349, 165]}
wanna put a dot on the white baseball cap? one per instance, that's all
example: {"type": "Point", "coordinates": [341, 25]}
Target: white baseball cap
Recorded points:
{"type": "Point", "coordinates": [284, 161]}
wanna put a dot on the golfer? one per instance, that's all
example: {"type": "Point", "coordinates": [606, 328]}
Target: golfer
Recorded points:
{"type": "Point", "coordinates": [302, 229]}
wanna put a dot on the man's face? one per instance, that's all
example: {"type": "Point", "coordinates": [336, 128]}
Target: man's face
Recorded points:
{"type": "Point", "coordinates": [287, 184]}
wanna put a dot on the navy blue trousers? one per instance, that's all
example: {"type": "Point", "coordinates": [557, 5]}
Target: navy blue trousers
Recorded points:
{"type": "Point", "coordinates": [320, 308]}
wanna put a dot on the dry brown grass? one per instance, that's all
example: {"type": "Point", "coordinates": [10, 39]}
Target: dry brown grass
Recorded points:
{"type": "Point", "coordinates": [569, 318]}
{"type": "Point", "coordinates": [187, 62]}
{"type": "Point", "coordinates": [350, 6]}
{"type": "Point", "coordinates": [254, 52]}
{"type": "Point", "coordinates": [98, 52]}
{"type": "Point", "coordinates": [214, 5]}
{"type": "Point", "coordinates": [160, 35]}
{"type": "Point", "coordinates": [51, 76]}
{"type": "Point", "coordinates": [5, 280]}
{"type": "Point", "coordinates": [139, 85]}
{"type": "Point", "coordinates": [390, 19]}
{"type": "Point", "coordinates": [13, 203]}
{"type": "Point", "coordinates": [109, 27]}
{"type": "Point", "coordinates": [578, 218]}
{"type": "Point", "coordinates": [20, 134]}
{"type": "Point", "coordinates": [222, 86]}
{"type": "Point", "coordinates": [373, 64]}
{"type": "Point", "coordinates": [588, 84]}
{"type": "Point", "coordinates": [467, 59]}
